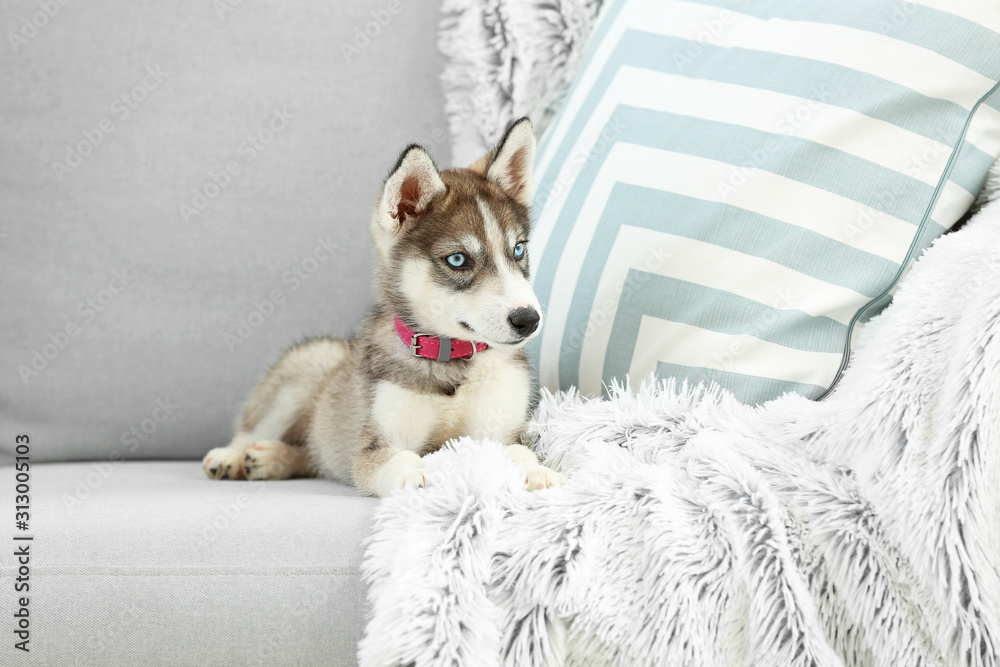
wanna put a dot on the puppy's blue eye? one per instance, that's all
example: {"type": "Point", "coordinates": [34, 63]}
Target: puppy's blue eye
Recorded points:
{"type": "Point", "coordinates": [457, 260]}
{"type": "Point", "coordinates": [519, 250]}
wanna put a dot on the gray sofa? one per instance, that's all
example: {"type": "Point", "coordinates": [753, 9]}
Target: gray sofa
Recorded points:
{"type": "Point", "coordinates": [185, 192]}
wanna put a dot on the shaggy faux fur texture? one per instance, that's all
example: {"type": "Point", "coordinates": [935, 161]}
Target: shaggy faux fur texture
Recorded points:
{"type": "Point", "coordinates": [861, 530]}
{"type": "Point", "coordinates": [506, 59]}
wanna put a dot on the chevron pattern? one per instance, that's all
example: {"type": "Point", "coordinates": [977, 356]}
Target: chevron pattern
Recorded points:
{"type": "Point", "coordinates": [734, 187]}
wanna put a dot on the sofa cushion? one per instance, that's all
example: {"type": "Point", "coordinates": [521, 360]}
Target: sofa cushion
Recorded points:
{"type": "Point", "coordinates": [143, 563]}
{"type": "Point", "coordinates": [186, 190]}
{"type": "Point", "coordinates": [732, 187]}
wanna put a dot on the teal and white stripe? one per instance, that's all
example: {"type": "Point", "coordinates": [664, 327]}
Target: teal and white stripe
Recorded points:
{"type": "Point", "coordinates": [730, 185]}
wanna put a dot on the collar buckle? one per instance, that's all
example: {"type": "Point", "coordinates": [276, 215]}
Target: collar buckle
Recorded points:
{"type": "Point", "coordinates": [414, 347]}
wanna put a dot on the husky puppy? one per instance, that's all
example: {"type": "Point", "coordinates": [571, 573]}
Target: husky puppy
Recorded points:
{"type": "Point", "coordinates": [440, 355]}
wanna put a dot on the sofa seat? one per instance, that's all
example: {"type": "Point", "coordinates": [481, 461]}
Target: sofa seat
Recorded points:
{"type": "Point", "coordinates": [143, 563]}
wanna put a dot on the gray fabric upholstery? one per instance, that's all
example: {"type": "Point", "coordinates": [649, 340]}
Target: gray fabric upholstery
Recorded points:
{"type": "Point", "coordinates": [144, 315]}
{"type": "Point", "coordinates": [151, 563]}
{"type": "Point", "coordinates": [148, 291]}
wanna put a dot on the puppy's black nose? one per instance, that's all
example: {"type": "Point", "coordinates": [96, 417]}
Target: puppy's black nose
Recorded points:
{"type": "Point", "coordinates": [524, 321]}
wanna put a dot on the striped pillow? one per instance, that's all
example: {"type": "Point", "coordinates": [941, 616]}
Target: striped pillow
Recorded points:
{"type": "Point", "coordinates": [732, 187]}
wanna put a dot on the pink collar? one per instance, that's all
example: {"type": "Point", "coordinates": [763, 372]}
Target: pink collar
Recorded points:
{"type": "Point", "coordinates": [433, 347]}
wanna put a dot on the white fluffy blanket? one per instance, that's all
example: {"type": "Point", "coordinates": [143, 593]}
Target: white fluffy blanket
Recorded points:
{"type": "Point", "coordinates": [693, 530]}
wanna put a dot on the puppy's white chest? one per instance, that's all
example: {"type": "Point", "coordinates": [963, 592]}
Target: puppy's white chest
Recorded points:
{"type": "Point", "coordinates": [491, 403]}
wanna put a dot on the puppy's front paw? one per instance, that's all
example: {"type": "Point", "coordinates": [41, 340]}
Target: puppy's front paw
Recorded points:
{"type": "Point", "coordinates": [414, 478]}
{"type": "Point", "coordinates": [402, 470]}
{"type": "Point", "coordinates": [223, 463]}
{"type": "Point", "coordinates": [269, 459]}
{"type": "Point", "coordinates": [540, 477]}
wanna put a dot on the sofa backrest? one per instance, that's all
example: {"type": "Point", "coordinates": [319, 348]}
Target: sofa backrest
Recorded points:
{"type": "Point", "coordinates": [186, 191]}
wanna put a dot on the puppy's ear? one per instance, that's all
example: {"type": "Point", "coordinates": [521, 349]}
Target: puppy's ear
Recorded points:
{"type": "Point", "coordinates": [411, 187]}
{"type": "Point", "coordinates": [482, 164]}
{"type": "Point", "coordinates": [512, 162]}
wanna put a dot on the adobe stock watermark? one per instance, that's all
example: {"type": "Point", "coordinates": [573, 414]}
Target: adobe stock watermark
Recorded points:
{"type": "Point", "coordinates": [915, 166]}
{"type": "Point", "coordinates": [121, 108]}
{"type": "Point", "coordinates": [580, 156]}
{"type": "Point", "coordinates": [899, 17]}
{"type": "Point", "coordinates": [785, 299]}
{"type": "Point", "coordinates": [363, 35]}
{"type": "Point", "coordinates": [88, 309]}
{"type": "Point", "coordinates": [164, 411]}
{"type": "Point", "coordinates": [138, 434]}
{"type": "Point", "coordinates": [601, 313]}
{"type": "Point", "coordinates": [109, 636]}
{"type": "Point", "coordinates": [463, 108]}
{"type": "Point", "coordinates": [228, 514]}
{"type": "Point", "coordinates": [295, 276]}
{"type": "Point", "coordinates": [790, 124]}
{"type": "Point", "coordinates": [711, 30]}
{"type": "Point", "coordinates": [31, 25]}
{"type": "Point", "coordinates": [989, 269]}
{"type": "Point", "coordinates": [268, 651]}
{"type": "Point", "coordinates": [248, 151]}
